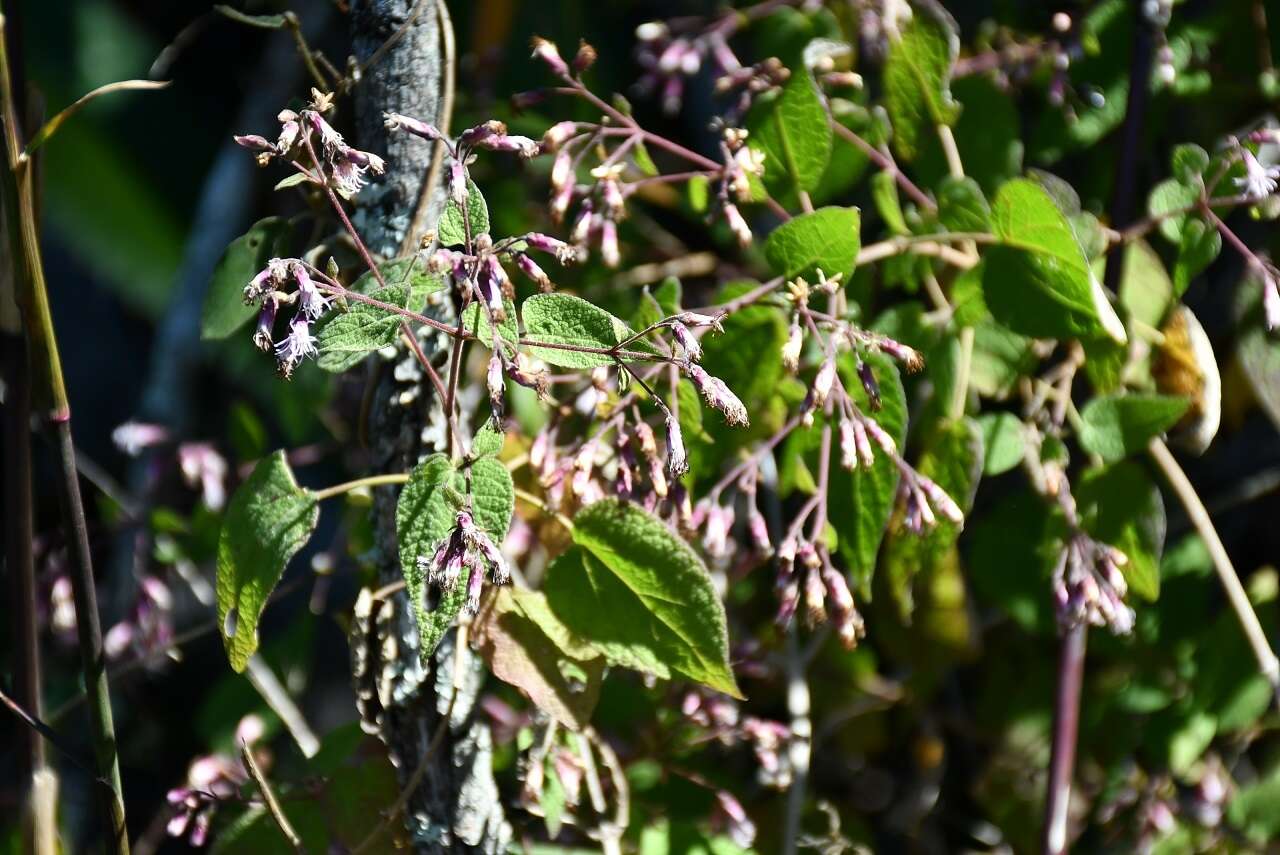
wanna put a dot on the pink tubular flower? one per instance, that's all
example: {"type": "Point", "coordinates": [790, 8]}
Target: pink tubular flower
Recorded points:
{"type": "Point", "coordinates": [202, 465]}
{"type": "Point", "coordinates": [609, 253]}
{"type": "Point", "coordinates": [522, 146]}
{"type": "Point", "coordinates": [677, 460]}
{"type": "Point", "coordinates": [738, 225]}
{"type": "Point", "coordinates": [557, 135]}
{"type": "Point", "coordinates": [823, 382]}
{"type": "Point", "coordinates": [262, 335]}
{"type": "Point", "coordinates": [565, 253]}
{"type": "Point", "coordinates": [417, 127]}
{"type": "Point", "coordinates": [311, 302]}
{"type": "Point", "coordinates": [133, 437]}
{"type": "Point", "coordinates": [496, 381]}
{"type": "Point", "coordinates": [549, 55]}
{"type": "Point", "coordinates": [530, 268]}
{"type": "Point", "coordinates": [688, 341]}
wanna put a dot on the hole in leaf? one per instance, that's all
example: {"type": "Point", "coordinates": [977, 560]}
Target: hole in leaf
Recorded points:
{"type": "Point", "coordinates": [229, 625]}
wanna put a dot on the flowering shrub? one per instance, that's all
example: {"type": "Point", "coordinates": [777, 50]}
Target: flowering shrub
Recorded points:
{"type": "Point", "coordinates": [730, 534]}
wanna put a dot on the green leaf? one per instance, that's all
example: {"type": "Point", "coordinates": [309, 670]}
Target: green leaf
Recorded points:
{"type": "Point", "coordinates": [1200, 245]}
{"type": "Point", "coordinates": [1116, 426]}
{"type": "Point", "coordinates": [510, 638]}
{"type": "Point", "coordinates": [1010, 552]}
{"type": "Point", "coordinates": [1145, 289]}
{"type": "Point", "coordinates": [826, 240]}
{"type": "Point", "coordinates": [953, 461]}
{"type": "Point", "coordinates": [224, 309]}
{"type": "Point", "coordinates": [861, 501]}
{"type": "Point", "coordinates": [475, 320]}
{"type": "Point", "coordinates": [425, 514]}
{"type": "Point", "coordinates": [1003, 440]}
{"type": "Point", "coordinates": [917, 79]}
{"type": "Point", "coordinates": [345, 338]}
{"type": "Point", "coordinates": [409, 273]}
{"type": "Point", "coordinates": [641, 596]}
{"type": "Point", "coordinates": [962, 207]}
{"type": "Point", "coordinates": [1255, 809]}
{"type": "Point", "coordinates": [487, 441]}
{"type": "Point", "coordinates": [1121, 506]}
{"type": "Point", "coordinates": [793, 133]}
{"type": "Point", "coordinates": [1168, 196]}
{"type": "Point", "coordinates": [1259, 350]}
{"type": "Point", "coordinates": [884, 192]}
{"type": "Point", "coordinates": [452, 229]}
{"type": "Point", "coordinates": [267, 521]}
{"type": "Point", "coordinates": [570, 320]}
{"type": "Point", "coordinates": [1037, 281]}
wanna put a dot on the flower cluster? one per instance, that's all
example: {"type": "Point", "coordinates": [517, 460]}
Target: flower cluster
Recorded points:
{"type": "Point", "coordinates": [722, 718]}
{"type": "Point", "coordinates": [267, 289]}
{"type": "Point", "coordinates": [466, 547]}
{"type": "Point", "coordinates": [347, 166]}
{"type": "Point", "coordinates": [1089, 587]}
{"type": "Point", "coordinates": [826, 592]}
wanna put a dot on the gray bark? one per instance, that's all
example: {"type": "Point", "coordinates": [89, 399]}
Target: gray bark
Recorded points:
{"type": "Point", "coordinates": [457, 807]}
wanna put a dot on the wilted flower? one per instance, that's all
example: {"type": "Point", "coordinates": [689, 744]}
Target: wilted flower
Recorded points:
{"type": "Point", "coordinates": [733, 819]}
{"type": "Point", "coordinates": [417, 127]}
{"type": "Point", "coordinates": [718, 395]}
{"type": "Point", "coordinates": [688, 341]}
{"type": "Point", "coordinates": [677, 461]}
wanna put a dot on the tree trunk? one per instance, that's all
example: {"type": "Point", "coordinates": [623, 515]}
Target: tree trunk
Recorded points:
{"type": "Point", "coordinates": [456, 807]}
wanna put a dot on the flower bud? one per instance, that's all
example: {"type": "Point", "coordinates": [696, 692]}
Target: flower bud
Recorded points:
{"type": "Point", "coordinates": [417, 127]}
{"type": "Point", "coordinates": [556, 136]}
{"type": "Point", "coordinates": [530, 268]}
{"type": "Point", "coordinates": [547, 53]}
{"type": "Point", "coordinates": [584, 58]}
{"type": "Point", "coordinates": [791, 350]}
{"type": "Point", "coordinates": [609, 253]}
{"type": "Point", "coordinates": [688, 341]}
{"type": "Point", "coordinates": [738, 225]}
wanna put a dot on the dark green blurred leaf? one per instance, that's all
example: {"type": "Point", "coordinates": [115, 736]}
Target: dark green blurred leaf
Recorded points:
{"type": "Point", "coordinates": [225, 310]}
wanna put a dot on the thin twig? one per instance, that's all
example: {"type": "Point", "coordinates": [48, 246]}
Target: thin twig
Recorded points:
{"type": "Point", "coordinates": [1182, 487]}
{"type": "Point", "coordinates": [1066, 722]}
{"type": "Point", "coordinates": [273, 806]}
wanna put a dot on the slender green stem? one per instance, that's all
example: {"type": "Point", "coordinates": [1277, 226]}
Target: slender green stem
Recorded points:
{"type": "Point", "coordinates": [19, 204]}
{"type": "Point", "coordinates": [367, 481]}
{"type": "Point", "coordinates": [269, 797]}
{"type": "Point", "coordinates": [1182, 487]}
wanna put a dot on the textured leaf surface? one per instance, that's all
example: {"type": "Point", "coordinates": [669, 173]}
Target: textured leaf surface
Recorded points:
{"type": "Point", "coordinates": [793, 133]}
{"type": "Point", "coordinates": [826, 240]}
{"type": "Point", "coordinates": [425, 514]}
{"type": "Point", "coordinates": [1119, 425]}
{"type": "Point", "coordinates": [641, 596]}
{"type": "Point", "coordinates": [268, 520]}
{"type": "Point", "coordinates": [452, 229]}
{"type": "Point", "coordinates": [344, 338]}
{"type": "Point", "coordinates": [1037, 281]}
{"type": "Point", "coordinates": [917, 80]}
{"type": "Point", "coordinates": [410, 274]}
{"type": "Point", "coordinates": [570, 320]}
{"type": "Point", "coordinates": [224, 307]}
